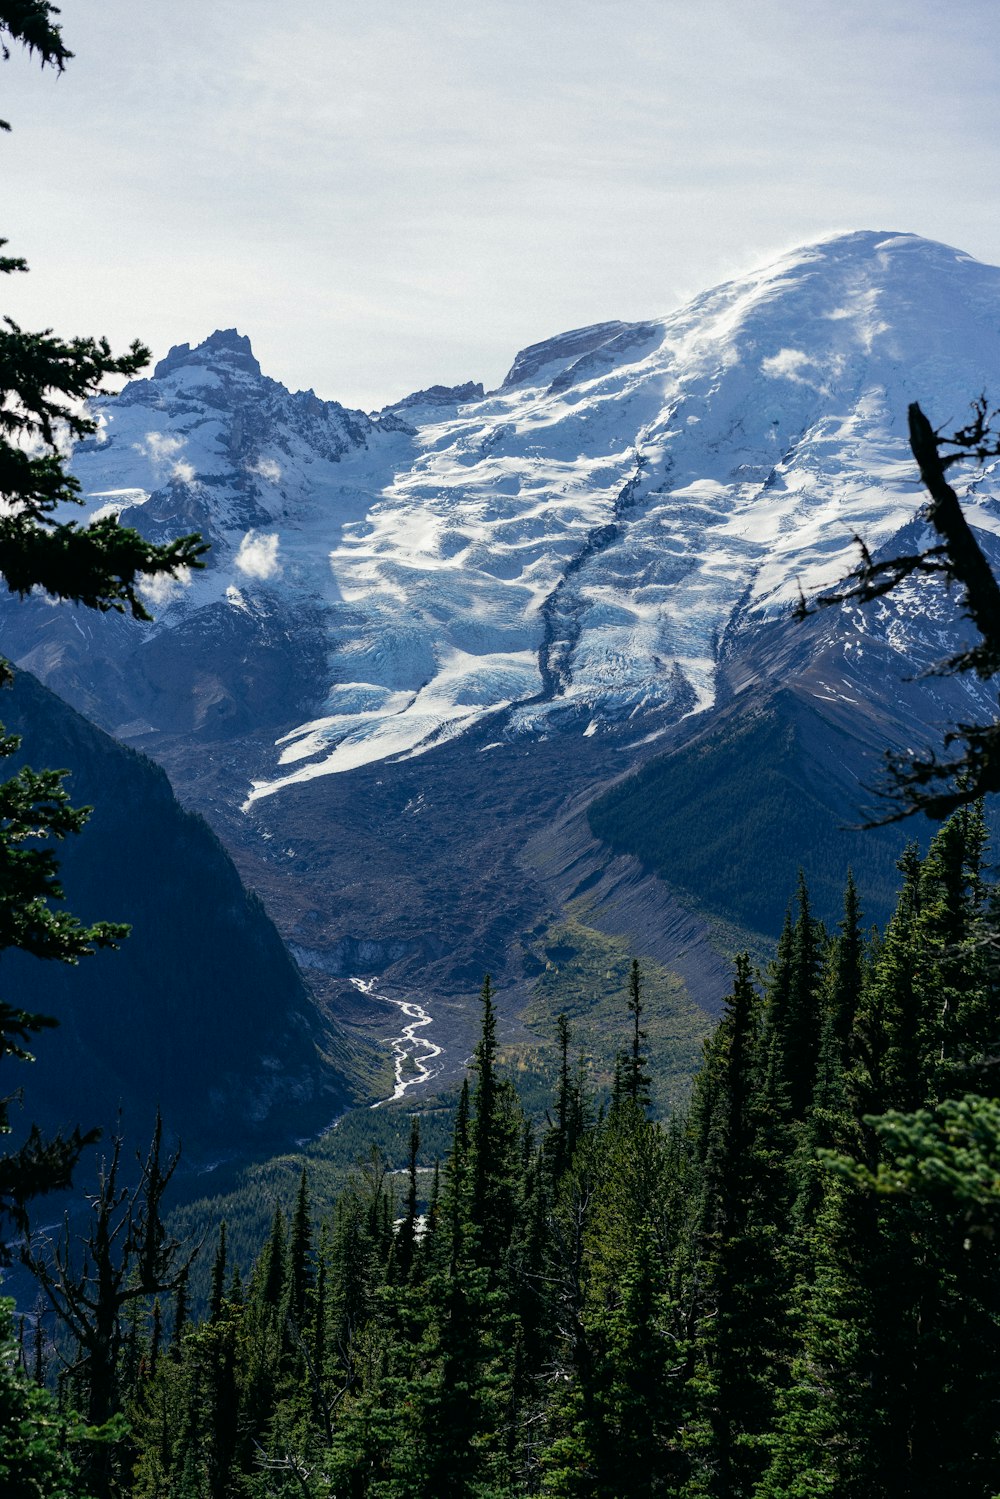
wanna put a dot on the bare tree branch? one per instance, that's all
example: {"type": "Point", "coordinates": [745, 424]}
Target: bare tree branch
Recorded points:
{"type": "Point", "coordinates": [927, 782]}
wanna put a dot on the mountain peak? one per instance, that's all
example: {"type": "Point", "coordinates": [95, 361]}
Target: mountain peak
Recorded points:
{"type": "Point", "coordinates": [889, 253]}
{"type": "Point", "coordinates": [225, 346]}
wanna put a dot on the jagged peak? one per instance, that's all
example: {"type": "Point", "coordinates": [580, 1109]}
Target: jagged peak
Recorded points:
{"type": "Point", "coordinates": [226, 346]}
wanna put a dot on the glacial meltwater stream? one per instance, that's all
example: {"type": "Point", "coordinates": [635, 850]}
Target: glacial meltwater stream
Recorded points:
{"type": "Point", "coordinates": [409, 1049]}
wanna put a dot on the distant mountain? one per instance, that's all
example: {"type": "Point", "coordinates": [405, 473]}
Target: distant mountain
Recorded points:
{"type": "Point", "coordinates": [201, 1011]}
{"type": "Point", "coordinates": [429, 639]}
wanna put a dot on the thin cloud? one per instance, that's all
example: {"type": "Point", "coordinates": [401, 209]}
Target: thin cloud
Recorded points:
{"type": "Point", "coordinates": [162, 449]}
{"type": "Point", "coordinates": [160, 590]}
{"type": "Point", "coordinates": [266, 468]}
{"type": "Point", "coordinates": [258, 555]}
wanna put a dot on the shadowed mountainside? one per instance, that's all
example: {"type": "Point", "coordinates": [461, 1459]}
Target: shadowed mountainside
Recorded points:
{"type": "Point", "coordinates": [201, 1011]}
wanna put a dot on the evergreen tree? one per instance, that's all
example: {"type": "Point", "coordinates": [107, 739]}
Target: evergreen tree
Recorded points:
{"type": "Point", "coordinates": [300, 1267]}
{"type": "Point", "coordinates": [496, 1131]}
{"type": "Point", "coordinates": [271, 1272]}
{"type": "Point", "coordinates": [406, 1238]}
{"type": "Point", "coordinates": [846, 973]}
{"type": "Point", "coordinates": [637, 1081]}
{"type": "Point", "coordinates": [794, 1007]}
{"type": "Point", "coordinates": [218, 1285]}
{"type": "Point", "coordinates": [559, 1144]}
{"type": "Point", "coordinates": [35, 1441]}
{"type": "Point", "coordinates": [885, 1047]}
{"type": "Point", "coordinates": [768, 1298]}
{"type": "Point", "coordinates": [734, 1276]}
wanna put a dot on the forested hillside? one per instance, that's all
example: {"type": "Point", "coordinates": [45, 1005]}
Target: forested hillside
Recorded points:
{"type": "Point", "coordinates": [789, 1289]}
{"type": "Point", "coordinates": [765, 776]}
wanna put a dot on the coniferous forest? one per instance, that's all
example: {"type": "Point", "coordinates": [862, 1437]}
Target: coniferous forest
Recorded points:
{"type": "Point", "coordinates": [790, 1289]}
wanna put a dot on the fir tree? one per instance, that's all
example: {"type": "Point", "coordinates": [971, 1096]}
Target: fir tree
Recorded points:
{"type": "Point", "coordinates": [271, 1272]}
{"type": "Point", "coordinates": [406, 1238]}
{"type": "Point", "coordinates": [636, 1083]}
{"type": "Point", "coordinates": [217, 1291]}
{"type": "Point", "coordinates": [181, 1310]}
{"type": "Point", "coordinates": [35, 1441]}
{"type": "Point", "coordinates": [300, 1269]}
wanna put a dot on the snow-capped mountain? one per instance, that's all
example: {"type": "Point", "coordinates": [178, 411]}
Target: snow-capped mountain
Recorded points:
{"type": "Point", "coordinates": [580, 556]}
{"type": "Point", "coordinates": [579, 539]}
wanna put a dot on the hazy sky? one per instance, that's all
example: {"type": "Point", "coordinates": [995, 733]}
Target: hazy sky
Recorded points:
{"type": "Point", "coordinates": [391, 195]}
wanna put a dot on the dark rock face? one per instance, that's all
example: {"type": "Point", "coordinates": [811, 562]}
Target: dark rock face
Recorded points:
{"type": "Point", "coordinates": [786, 769]}
{"type": "Point", "coordinates": [565, 348]}
{"type": "Point", "coordinates": [202, 1011]}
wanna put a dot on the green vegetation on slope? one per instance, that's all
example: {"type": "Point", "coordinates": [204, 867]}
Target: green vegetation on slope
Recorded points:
{"type": "Point", "coordinates": [730, 817]}
{"type": "Point", "coordinates": [586, 978]}
{"type": "Point", "coordinates": [245, 1196]}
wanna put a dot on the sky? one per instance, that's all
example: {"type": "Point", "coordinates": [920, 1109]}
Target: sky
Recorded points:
{"type": "Point", "coordinates": [387, 196]}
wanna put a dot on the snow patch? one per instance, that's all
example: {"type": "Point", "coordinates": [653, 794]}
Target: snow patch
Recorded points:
{"type": "Point", "coordinates": [629, 498]}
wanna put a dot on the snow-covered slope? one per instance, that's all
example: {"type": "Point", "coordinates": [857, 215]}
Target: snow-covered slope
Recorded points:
{"type": "Point", "coordinates": [568, 550]}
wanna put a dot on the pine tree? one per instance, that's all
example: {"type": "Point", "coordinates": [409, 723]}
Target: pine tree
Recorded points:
{"type": "Point", "coordinates": [559, 1143]}
{"type": "Point", "coordinates": [794, 1008]}
{"type": "Point", "coordinates": [829, 1123]}
{"type": "Point", "coordinates": [636, 1083]}
{"type": "Point", "coordinates": [182, 1301]}
{"type": "Point", "coordinates": [35, 1441]}
{"type": "Point", "coordinates": [885, 1043]}
{"type": "Point", "coordinates": [217, 1291]}
{"type": "Point", "coordinates": [483, 1206]}
{"type": "Point", "coordinates": [271, 1273]}
{"type": "Point", "coordinates": [406, 1238]}
{"type": "Point", "coordinates": [300, 1269]}
{"type": "Point", "coordinates": [846, 971]}
{"type": "Point", "coordinates": [495, 1135]}
{"type": "Point", "coordinates": [735, 1279]}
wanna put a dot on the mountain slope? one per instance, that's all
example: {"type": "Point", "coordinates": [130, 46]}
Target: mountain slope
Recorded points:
{"type": "Point", "coordinates": [201, 1012]}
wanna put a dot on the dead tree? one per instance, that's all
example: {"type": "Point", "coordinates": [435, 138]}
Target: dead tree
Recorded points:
{"type": "Point", "coordinates": [92, 1279]}
{"type": "Point", "coordinates": [970, 766]}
